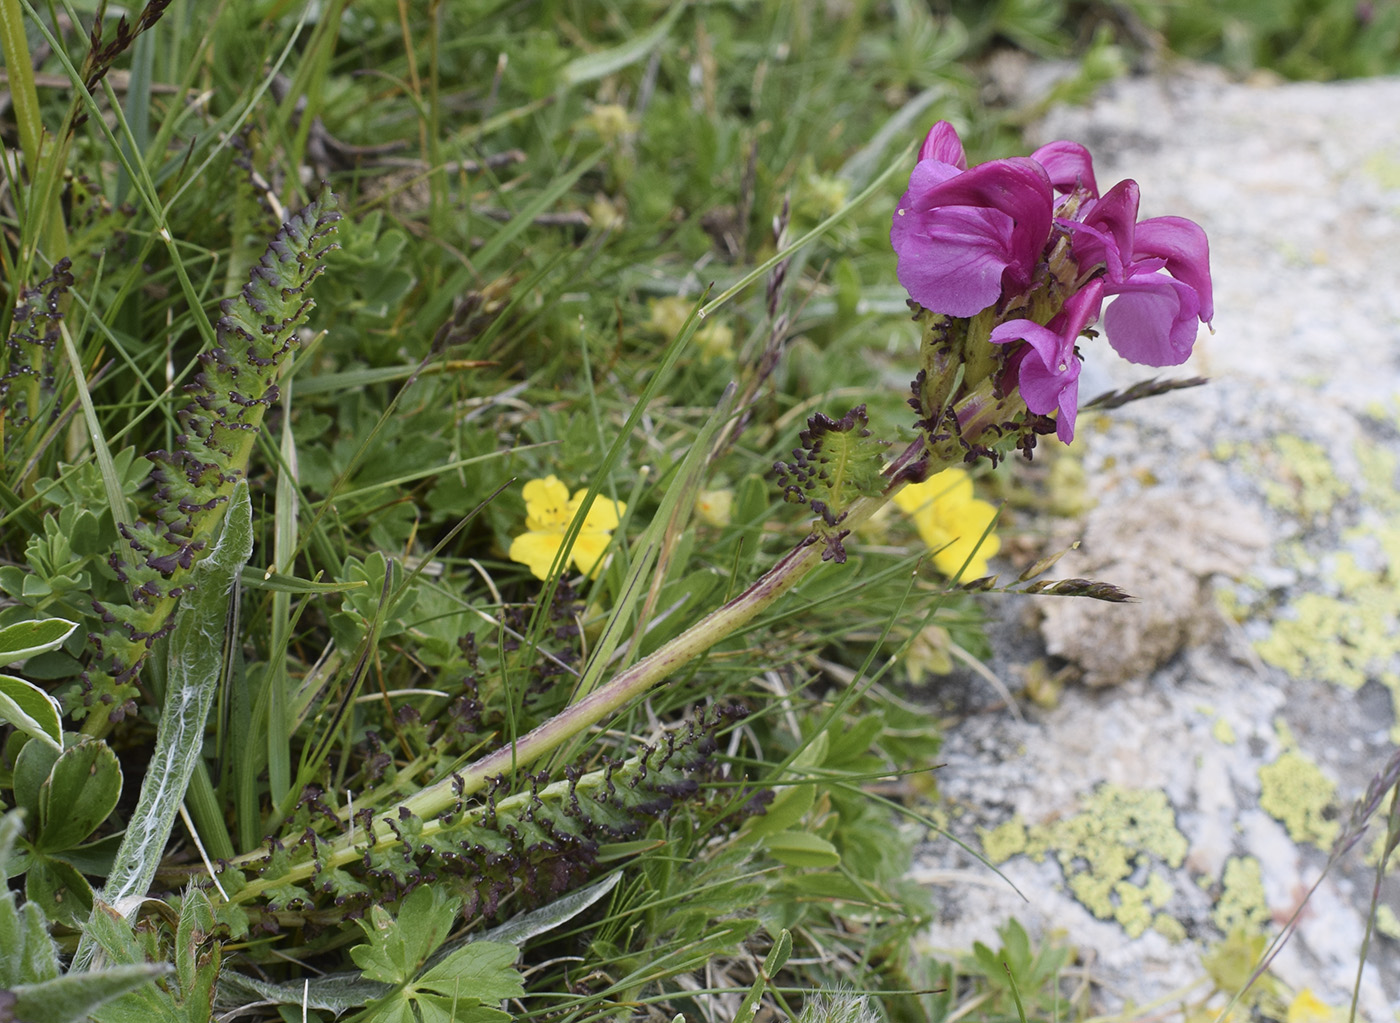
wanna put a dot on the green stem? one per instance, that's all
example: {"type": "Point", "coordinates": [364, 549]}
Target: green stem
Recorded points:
{"type": "Point", "coordinates": [979, 414]}
{"type": "Point", "coordinates": [593, 708]}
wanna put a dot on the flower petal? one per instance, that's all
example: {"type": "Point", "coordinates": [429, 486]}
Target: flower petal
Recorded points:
{"type": "Point", "coordinates": [1106, 231]}
{"type": "Point", "coordinates": [536, 551]}
{"type": "Point", "coordinates": [546, 504]}
{"type": "Point", "coordinates": [1153, 320]}
{"type": "Point", "coordinates": [951, 485]}
{"type": "Point", "coordinates": [603, 516]}
{"type": "Point", "coordinates": [964, 239]}
{"type": "Point", "coordinates": [958, 535]}
{"type": "Point", "coordinates": [588, 549]}
{"type": "Point", "coordinates": [1069, 165]}
{"type": "Point", "coordinates": [951, 260]}
{"type": "Point", "coordinates": [942, 144]}
{"type": "Point", "coordinates": [1047, 369]}
{"type": "Point", "coordinates": [1184, 246]}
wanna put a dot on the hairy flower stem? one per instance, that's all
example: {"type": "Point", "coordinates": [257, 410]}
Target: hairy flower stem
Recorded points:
{"type": "Point", "coordinates": [604, 701]}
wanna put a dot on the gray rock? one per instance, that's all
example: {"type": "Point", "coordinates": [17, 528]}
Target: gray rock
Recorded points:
{"type": "Point", "coordinates": [1273, 488]}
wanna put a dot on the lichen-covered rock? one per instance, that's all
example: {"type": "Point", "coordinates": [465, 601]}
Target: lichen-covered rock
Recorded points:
{"type": "Point", "coordinates": [1166, 552]}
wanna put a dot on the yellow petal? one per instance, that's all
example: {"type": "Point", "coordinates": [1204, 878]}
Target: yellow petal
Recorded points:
{"type": "Point", "coordinates": [949, 485]}
{"type": "Point", "coordinates": [961, 528]}
{"type": "Point", "coordinates": [536, 551]}
{"type": "Point", "coordinates": [602, 517]}
{"type": "Point", "coordinates": [1306, 1007]}
{"type": "Point", "coordinates": [715, 506]}
{"type": "Point", "coordinates": [546, 504]}
{"type": "Point", "coordinates": [588, 548]}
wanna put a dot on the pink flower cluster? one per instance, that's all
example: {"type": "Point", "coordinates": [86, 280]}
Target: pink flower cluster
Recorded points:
{"type": "Point", "coordinates": [973, 239]}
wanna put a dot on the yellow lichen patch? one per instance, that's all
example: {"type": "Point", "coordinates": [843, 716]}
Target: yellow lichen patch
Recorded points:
{"type": "Point", "coordinates": [1387, 922]}
{"type": "Point", "coordinates": [1346, 637]}
{"type": "Point", "coordinates": [1005, 840]}
{"type": "Point", "coordinates": [1295, 792]}
{"type": "Point", "coordinates": [1169, 927]}
{"type": "Point", "coordinates": [1300, 479]}
{"type": "Point", "coordinates": [1223, 731]}
{"type": "Point", "coordinates": [1383, 169]}
{"type": "Point", "coordinates": [1242, 905]}
{"type": "Point", "coordinates": [1120, 834]}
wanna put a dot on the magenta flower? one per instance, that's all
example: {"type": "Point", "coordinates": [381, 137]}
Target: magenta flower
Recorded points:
{"type": "Point", "coordinates": [1069, 165]}
{"type": "Point", "coordinates": [964, 238]}
{"type": "Point", "coordinates": [1046, 367]}
{"type": "Point", "coordinates": [1153, 320]}
{"type": "Point", "coordinates": [993, 238]}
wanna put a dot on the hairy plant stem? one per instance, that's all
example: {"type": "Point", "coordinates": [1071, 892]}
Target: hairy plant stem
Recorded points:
{"type": "Point", "coordinates": [981, 416]}
{"type": "Point", "coordinates": [602, 702]}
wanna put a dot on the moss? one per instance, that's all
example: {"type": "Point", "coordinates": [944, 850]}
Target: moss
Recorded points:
{"type": "Point", "coordinates": [1242, 904]}
{"type": "Point", "coordinates": [1294, 791]}
{"type": "Point", "coordinates": [1120, 833]}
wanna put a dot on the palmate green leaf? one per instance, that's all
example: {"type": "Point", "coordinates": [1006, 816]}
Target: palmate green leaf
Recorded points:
{"type": "Point", "coordinates": [31, 710]}
{"type": "Point", "coordinates": [398, 948]}
{"type": "Point", "coordinates": [442, 1009]}
{"type": "Point", "coordinates": [25, 639]}
{"type": "Point", "coordinates": [482, 969]}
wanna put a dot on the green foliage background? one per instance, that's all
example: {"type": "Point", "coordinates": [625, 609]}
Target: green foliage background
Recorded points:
{"type": "Point", "coordinates": [521, 186]}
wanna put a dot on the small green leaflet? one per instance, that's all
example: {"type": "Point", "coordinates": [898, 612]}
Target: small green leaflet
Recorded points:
{"type": "Point", "coordinates": [466, 986]}
{"type": "Point", "coordinates": [25, 639]}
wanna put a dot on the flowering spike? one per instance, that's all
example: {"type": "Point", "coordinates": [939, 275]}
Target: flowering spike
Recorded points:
{"type": "Point", "coordinates": [1007, 278]}
{"type": "Point", "coordinates": [228, 398]}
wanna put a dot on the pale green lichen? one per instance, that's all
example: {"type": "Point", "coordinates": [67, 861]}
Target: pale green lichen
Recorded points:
{"type": "Point", "coordinates": [1169, 927]}
{"type": "Point", "coordinates": [1294, 791]}
{"type": "Point", "coordinates": [1005, 840]}
{"type": "Point", "coordinates": [1119, 833]}
{"type": "Point", "coordinates": [1302, 481]}
{"type": "Point", "coordinates": [1345, 637]}
{"type": "Point", "coordinates": [1387, 922]}
{"type": "Point", "coordinates": [1383, 169]}
{"type": "Point", "coordinates": [1242, 904]}
{"type": "Point", "coordinates": [1223, 731]}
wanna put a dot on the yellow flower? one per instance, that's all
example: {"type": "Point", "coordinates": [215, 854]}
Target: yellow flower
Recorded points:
{"type": "Point", "coordinates": [668, 315]}
{"type": "Point", "coordinates": [714, 506]}
{"type": "Point", "coordinates": [1306, 1007]}
{"type": "Point", "coordinates": [952, 522]}
{"type": "Point", "coordinates": [548, 512]}
{"type": "Point", "coordinates": [715, 341]}
{"type": "Point", "coordinates": [610, 122]}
